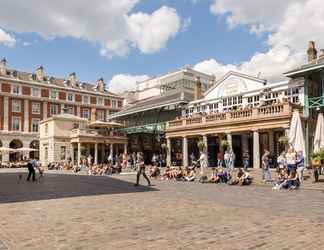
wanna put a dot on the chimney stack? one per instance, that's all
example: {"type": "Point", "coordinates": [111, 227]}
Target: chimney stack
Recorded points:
{"type": "Point", "coordinates": [40, 74]}
{"type": "Point", "coordinates": [101, 86]}
{"type": "Point", "coordinates": [311, 52]}
{"type": "Point", "coordinates": [72, 79]}
{"type": "Point", "coordinates": [3, 67]}
{"type": "Point", "coordinates": [197, 89]}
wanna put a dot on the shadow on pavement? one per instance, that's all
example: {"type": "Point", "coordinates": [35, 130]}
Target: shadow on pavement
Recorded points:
{"type": "Point", "coordinates": [56, 186]}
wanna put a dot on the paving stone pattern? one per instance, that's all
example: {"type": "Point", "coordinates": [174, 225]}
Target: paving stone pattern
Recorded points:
{"type": "Point", "coordinates": [73, 212]}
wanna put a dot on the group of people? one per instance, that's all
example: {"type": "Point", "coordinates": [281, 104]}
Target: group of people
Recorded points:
{"type": "Point", "coordinates": [291, 166]}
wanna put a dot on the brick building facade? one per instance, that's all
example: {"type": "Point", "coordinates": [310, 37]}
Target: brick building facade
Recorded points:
{"type": "Point", "coordinates": [28, 98]}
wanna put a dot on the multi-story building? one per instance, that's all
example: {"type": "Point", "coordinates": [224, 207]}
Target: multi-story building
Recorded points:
{"type": "Point", "coordinates": [28, 98]}
{"type": "Point", "coordinates": [249, 114]}
{"type": "Point", "coordinates": [156, 101]}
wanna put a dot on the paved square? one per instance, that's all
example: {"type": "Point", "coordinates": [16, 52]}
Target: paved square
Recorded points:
{"type": "Point", "coordinates": [84, 212]}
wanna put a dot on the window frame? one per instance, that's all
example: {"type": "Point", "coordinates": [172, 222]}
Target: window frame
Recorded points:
{"type": "Point", "coordinates": [56, 96]}
{"type": "Point", "coordinates": [15, 101]}
{"type": "Point", "coordinates": [39, 110]}
{"type": "Point", "coordinates": [16, 118]}
{"type": "Point", "coordinates": [13, 88]}
{"type": "Point", "coordinates": [38, 92]}
{"type": "Point", "coordinates": [37, 125]}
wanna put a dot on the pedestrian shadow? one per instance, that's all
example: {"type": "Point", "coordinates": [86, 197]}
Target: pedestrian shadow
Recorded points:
{"type": "Point", "coordinates": [56, 186]}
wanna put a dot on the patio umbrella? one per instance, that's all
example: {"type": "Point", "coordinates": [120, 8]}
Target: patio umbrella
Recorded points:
{"type": "Point", "coordinates": [4, 149]}
{"type": "Point", "coordinates": [25, 149]}
{"type": "Point", "coordinates": [319, 133]}
{"type": "Point", "coordinates": [296, 135]}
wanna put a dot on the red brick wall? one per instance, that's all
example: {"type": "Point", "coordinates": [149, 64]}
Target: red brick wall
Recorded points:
{"type": "Point", "coordinates": [78, 98]}
{"type": "Point", "coordinates": [107, 102]}
{"type": "Point", "coordinates": [45, 93]}
{"type": "Point", "coordinates": [25, 90]}
{"type": "Point", "coordinates": [62, 96]}
{"type": "Point", "coordinates": [120, 104]}
{"type": "Point", "coordinates": [93, 100]}
{"type": "Point", "coordinates": [6, 87]}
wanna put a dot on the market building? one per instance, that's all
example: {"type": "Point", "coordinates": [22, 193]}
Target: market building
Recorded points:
{"type": "Point", "coordinates": [250, 114]}
{"type": "Point", "coordinates": [156, 101]}
{"type": "Point", "coordinates": [28, 98]}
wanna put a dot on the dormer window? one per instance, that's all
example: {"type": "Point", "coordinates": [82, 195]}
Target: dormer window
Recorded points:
{"type": "Point", "coordinates": [16, 90]}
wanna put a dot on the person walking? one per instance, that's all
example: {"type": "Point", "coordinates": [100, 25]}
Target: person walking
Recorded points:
{"type": "Point", "coordinates": [266, 172]}
{"type": "Point", "coordinates": [141, 170]}
{"type": "Point", "coordinates": [31, 170]}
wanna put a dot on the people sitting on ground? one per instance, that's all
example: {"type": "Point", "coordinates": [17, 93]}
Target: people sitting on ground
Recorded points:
{"type": "Point", "coordinates": [154, 171]}
{"type": "Point", "coordinates": [238, 178]}
{"type": "Point", "coordinates": [167, 173]}
{"type": "Point", "coordinates": [291, 182]}
{"type": "Point", "coordinates": [191, 175]}
{"type": "Point", "coordinates": [214, 177]}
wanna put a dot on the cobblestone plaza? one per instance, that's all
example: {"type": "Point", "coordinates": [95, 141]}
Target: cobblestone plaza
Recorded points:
{"type": "Point", "coordinates": [66, 211]}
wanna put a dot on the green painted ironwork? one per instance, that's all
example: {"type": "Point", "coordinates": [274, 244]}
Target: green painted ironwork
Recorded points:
{"type": "Point", "coordinates": [155, 128]}
{"type": "Point", "coordinates": [306, 115]}
{"type": "Point", "coordinates": [315, 102]}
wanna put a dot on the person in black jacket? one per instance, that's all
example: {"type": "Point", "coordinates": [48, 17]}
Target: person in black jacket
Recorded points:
{"type": "Point", "coordinates": [31, 170]}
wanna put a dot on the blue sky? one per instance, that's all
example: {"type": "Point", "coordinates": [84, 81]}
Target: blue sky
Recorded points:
{"type": "Point", "coordinates": [210, 40]}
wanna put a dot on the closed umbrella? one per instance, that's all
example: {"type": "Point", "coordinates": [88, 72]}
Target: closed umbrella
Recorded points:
{"type": "Point", "coordinates": [319, 134]}
{"type": "Point", "coordinates": [296, 135]}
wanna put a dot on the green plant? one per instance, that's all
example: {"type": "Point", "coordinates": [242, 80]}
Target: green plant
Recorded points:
{"type": "Point", "coordinates": [318, 156]}
{"type": "Point", "coordinates": [200, 145]}
{"type": "Point", "coordinates": [284, 140]}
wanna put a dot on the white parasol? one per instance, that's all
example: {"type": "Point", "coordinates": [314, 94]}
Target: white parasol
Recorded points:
{"type": "Point", "coordinates": [24, 150]}
{"type": "Point", "coordinates": [319, 133]}
{"type": "Point", "coordinates": [296, 135]}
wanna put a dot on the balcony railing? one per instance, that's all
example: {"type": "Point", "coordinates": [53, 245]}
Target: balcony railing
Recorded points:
{"type": "Point", "coordinates": [95, 132]}
{"type": "Point", "coordinates": [275, 110]}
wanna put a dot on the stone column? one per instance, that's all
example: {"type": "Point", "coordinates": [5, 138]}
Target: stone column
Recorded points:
{"type": "Point", "coordinates": [79, 152]}
{"type": "Point", "coordinates": [45, 115]}
{"type": "Point", "coordinates": [111, 150]}
{"type": "Point", "coordinates": [72, 153]}
{"type": "Point", "coordinates": [26, 116]}
{"type": "Point", "coordinates": [256, 149]}
{"type": "Point", "coordinates": [168, 156]}
{"type": "Point", "coordinates": [229, 140]}
{"type": "Point", "coordinates": [125, 148]}
{"type": "Point", "coordinates": [103, 147]}
{"type": "Point", "coordinates": [5, 155]}
{"type": "Point", "coordinates": [78, 111]}
{"type": "Point", "coordinates": [5, 113]}
{"type": "Point", "coordinates": [96, 153]}
{"type": "Point", "coordinates": [271, 141]}
{"type": "Point", "coordinates": [205, 140]}
{"type": "Point", "coordinates": [185, 151]}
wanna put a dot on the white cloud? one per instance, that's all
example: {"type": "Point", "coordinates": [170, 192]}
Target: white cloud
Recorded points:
{"type": "Point", "coordinates": [120, 83]}
{"type": "Point", "coordinates": [290, 23]}
{"type": "Point", "coordinates": [150, 33]}
{"type": "Point", "coordinates": [109, 23]}
{"type": "Point", "coordinates": [7, 39]}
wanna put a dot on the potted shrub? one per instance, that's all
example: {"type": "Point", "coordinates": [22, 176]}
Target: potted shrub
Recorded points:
{"type": "Point", "coordinates": [200, 145]}
{"type": "Point", "coordinates": [283, 140]}
{"type": "Point", "coordinates": [316, 159]}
